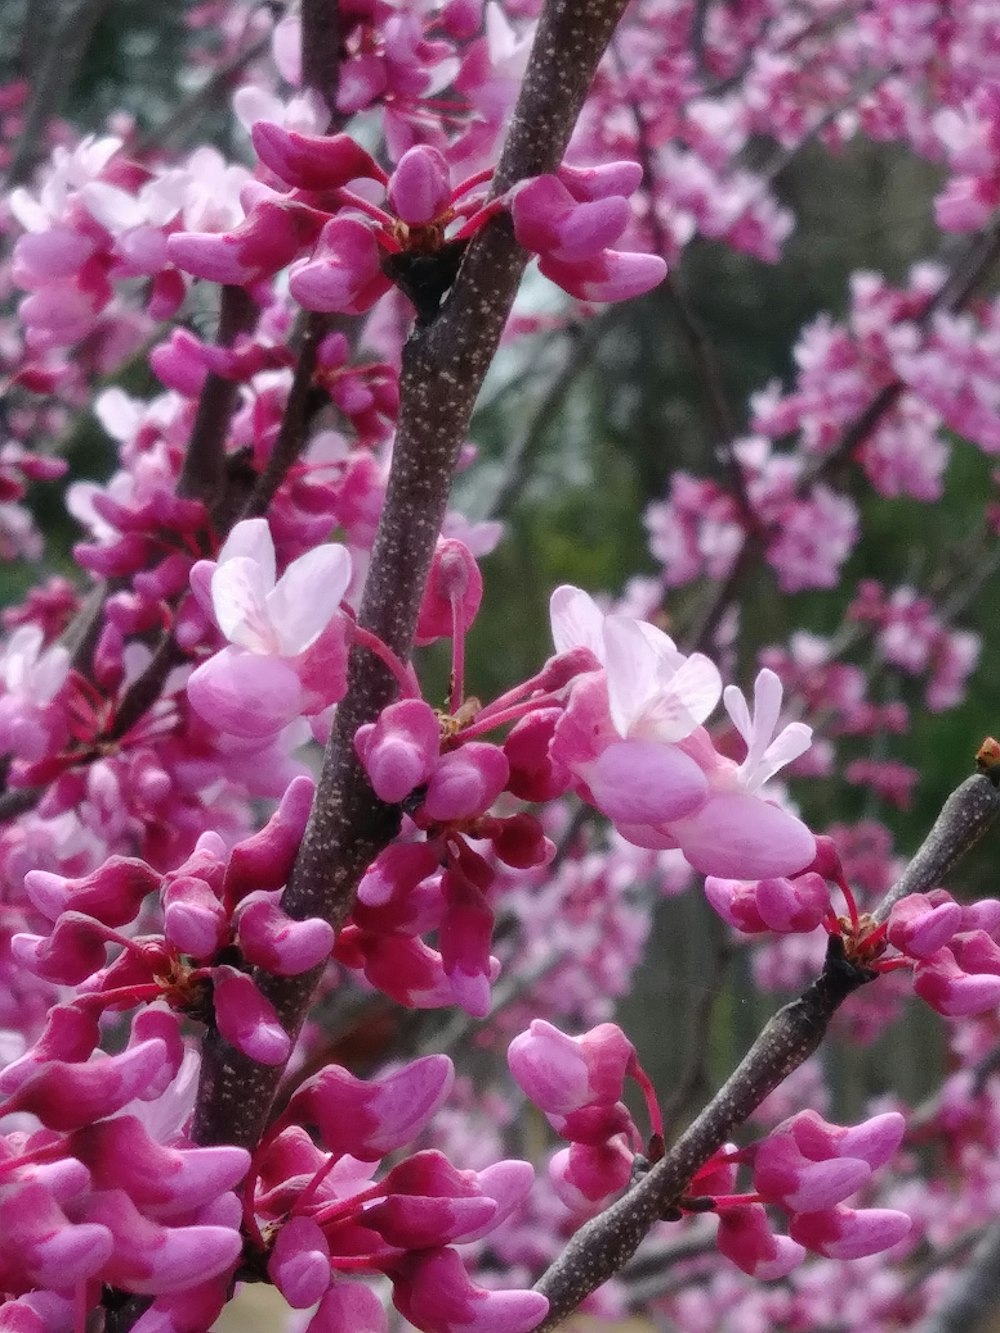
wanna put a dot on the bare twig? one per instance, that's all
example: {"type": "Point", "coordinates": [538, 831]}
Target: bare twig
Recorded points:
{"type": "Point", "coordinates": [204, 472]}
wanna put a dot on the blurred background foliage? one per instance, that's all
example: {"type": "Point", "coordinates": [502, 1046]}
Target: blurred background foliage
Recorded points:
{"type": "Point", "coordinates": [578, 433]}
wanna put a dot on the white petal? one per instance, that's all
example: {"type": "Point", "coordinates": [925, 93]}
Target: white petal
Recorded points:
{"type": "Point", "coordinates": [252, 538]}
{"type": "Point", "coordinates": [239, 591]}
{"type": "Point", "coordinates": [307, 596]}
{"type": "Point", "coordinates": [633, 672]}
{"type": "Point", "coordinates": [790, 742]}
{"type": "Point", "coordinates": [576, 621]}
{"type": "Point", "coordinates": [736, 706]}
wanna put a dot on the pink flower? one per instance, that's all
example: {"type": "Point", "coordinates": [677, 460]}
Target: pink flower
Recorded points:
{"type": "Point", "coordinates": [433, 1290]}
{"type": "Point", "coordinates": [254, 687]}
{"type": "Point", "coordinates": [571, 236]}
{"type": "Point", "coordinates": [746, 1238]}
{"type": "Point", "coordinates": [847, 1233]}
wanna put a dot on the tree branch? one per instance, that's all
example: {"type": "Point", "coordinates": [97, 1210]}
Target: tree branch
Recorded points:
{"type": "Point", "coordinates": [444, 363]}
{"type": "Point", "coordinates": [606, 1243]}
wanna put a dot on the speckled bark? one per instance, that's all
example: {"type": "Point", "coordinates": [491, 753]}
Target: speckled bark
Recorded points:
{"type": "Point", "coordinates": [444, 363]}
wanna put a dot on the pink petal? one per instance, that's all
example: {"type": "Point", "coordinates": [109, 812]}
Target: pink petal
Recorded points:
{"type": "Point", "coordinates": [245, 694]}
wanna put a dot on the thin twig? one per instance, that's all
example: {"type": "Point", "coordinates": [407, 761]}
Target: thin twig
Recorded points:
{"type": "Point", "coordinates": [604, 1245]}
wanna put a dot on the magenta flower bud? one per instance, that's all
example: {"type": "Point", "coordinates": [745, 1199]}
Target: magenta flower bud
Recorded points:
{"type": "Point", "coordinates": [432, 1290]}
{"type": "Point", "coordinates": [534, 775]}
{"type": "Point", "coordinates": [846, 1233]}
{"type": "Point", "coordinates": [112, 894]}
{"type": "Point", "coordinates": [746, 1239]}
{"type": "Point", "coordinates": [194, 921]}
{"type": "Point", "coordinates": [159, 1022]}
{"type": "Point", "coordinates": [389, 884]}
{"type": "Point", "coordinates": [520, 841]}
{"type": "Point", "coordinates": [313, 161]}
{"type": "Point", "coordinates": [67, 1096]}
{"type": "Point", "coordinates": [562, 1074]}
{"type": "Point", "coordinates": [246, 1019]}
{"type": "Point", "coordinates": [453, 593]}
{"type": "Point", "coordinates": [613, 275]}
{"type": "Point", "coordinates": [465, 936]}
{"type": "Point", "coordinates": [420, 188]}
{"type": "Point", "coordinates": [587, 1175]}
{"type": "Point", "coordinates": [601, 182]}
{"type": "Point", "coordinates": [783, 1174]}
{"type": "Point", "coordinates": [984, 914]}
{"type": "Point", "coordinates": [73, 951]}
{"type": "Point", "coordinates": [265, 242]}
{"type": "Point", "coordinates": [400, 750]}
{"type": "Point", "coordinates": [344, 273]}
{"type": "Point", "coordinates": [873, 1141]}
{"type": "Point", "coordinates": [52, 1251]}
{"type": "Point", "coordinates": [919, 927]}
{"type": "Point", "coordinates": [779, 904]}
{"type": "Point", "coordinates": [943, 982]}
{"type": "Point", "coordinates": [70, 1034]}
{"type": "Point", "coordinates": [179, 363]}
{"type": "Point", "coordinates": [405, 968]}
{"type": "Point", "coordinates": [349, 1306]}
{"type": "Point", "coordinates": [299, 1264]}
{"type": "Point", "coordinates": [148, 1258]}
{"type": "Point", "coordinates": [411, 1222]}
{"type": "Point", "coordinates": [161, 1182]}
{"type": "Point", "coordinates": [370, 1119]}
{"type": "Point", "coordinates": [595, 1124]}
{"type": "Point", "coordinates": [271, 939]}
{"type": "Point", "coordinates": [265, 859]}
{"type": "Point", "coordinates": [466, 782]}
{"type": "Point", "coordinates": [550, 222]}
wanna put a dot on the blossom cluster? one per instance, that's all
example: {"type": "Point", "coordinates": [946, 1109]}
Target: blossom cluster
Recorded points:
{"type": "Point", "coordinates": [163, 799]}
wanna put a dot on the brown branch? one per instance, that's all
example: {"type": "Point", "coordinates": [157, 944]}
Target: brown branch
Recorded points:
{"type": "Point", "coordinates": [304, 400]}
{"type": "Point", "coordinates": [321, 50]}
{"type": "Point", "coordinates": [64, 52]}
{"type": "Point", "coordinates": [965, 816]}
{"type": "Point", "coordinates": [203, 474]}
{"type": "Point", "coordinates": [604, 1245]}
{"type": "Point", "coordinates": [444, 363]}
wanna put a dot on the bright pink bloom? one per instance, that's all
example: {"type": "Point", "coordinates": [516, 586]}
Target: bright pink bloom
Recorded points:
{"type": "Point", "coordinates": [246, 1019]}
{"type": "Point", "coordinates": [779, 904]}
{"type": "Point", "coordinates": [847, 1233]}
{"type": "Point", "coordinates": [371, 1118]}
{"type": "Point", "coordinates": [400, 750]}
{"type": "Point", "coordinates": [746, 1238]}
{"type": "Point", "coordinates": [560, 1073]}
{"type": "Point", "coordinates": [922, 923]}
{"type": "Point", "coordinates": [465, 782]}
{"type": "Point", "coordinates": [432, 1289]}
{"type": "Point", "coordinates": [453, 593]}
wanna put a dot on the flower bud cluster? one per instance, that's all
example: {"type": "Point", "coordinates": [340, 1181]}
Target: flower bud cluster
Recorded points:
{"type": "Point", "coordinates": [107, 1190]}
{"type": "Point", "coordinates": [221, 915]}
{"type": "Point", "coordinates": [317, 1211]}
